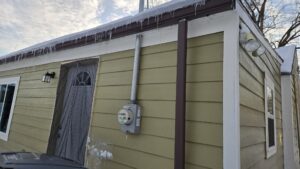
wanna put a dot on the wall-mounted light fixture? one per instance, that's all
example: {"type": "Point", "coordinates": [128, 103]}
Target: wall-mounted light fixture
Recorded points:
{"type": "Point", "coordinates": [260, 51]}
{"type": "Point", "coordinates": [250, 43]}
{"type": "Point", "coordinates": [48, 76]}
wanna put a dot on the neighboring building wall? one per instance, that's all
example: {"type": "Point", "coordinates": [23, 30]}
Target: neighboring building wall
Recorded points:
{"type": "Point", "coordinates": [32, 118]}
{"type": "Point", "coordinates": [290, 117]}
{"type": "Point", "coordinates": [252, 111]}
{"type": "Point", "coordinates": [154, 146]}
{"type": "Point", "coordinates": [295, 117]}
{"type": "Point", "coordinates": [295, 102]}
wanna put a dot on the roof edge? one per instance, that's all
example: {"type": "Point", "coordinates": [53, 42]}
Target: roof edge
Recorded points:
{"type": "Point", "coordinates": [190, 12]}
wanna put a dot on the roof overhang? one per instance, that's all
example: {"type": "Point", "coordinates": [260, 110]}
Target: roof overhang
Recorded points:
{"type": "Point", "coordinates": [288, 54]}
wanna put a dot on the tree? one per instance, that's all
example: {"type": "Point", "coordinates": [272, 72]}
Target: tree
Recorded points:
{"type": "Point", "coordinates": [277, 20]}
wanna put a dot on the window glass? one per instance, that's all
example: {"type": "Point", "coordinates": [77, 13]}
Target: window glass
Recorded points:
{"type": "Point", "coordinates": [270, 100]}
{"type": "Point", "coordinates": [2, 96]}
{"type": "Point", "coordinates": [270, 118]}
{"type": "Point", "coordinates": [6, 107]}
{"type": "Point", "coordinates": [271, 132]}
{"type": "Point", "coordinates": [8, 89]}
{"type": "Point", "coordinates": [82, 79]}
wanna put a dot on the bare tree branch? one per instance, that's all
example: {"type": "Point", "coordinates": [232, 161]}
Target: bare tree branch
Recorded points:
{"type": "Point", "coordinates": [291, 32]}
{"type": "Point", "coordinates": [269, 18]}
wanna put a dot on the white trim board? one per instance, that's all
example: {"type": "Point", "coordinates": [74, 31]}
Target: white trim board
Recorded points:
{"type": "Point", "coordinates": [231, 95]}
{"type": "Point", "coordinates": [198, 27]}
{"type": "Point", "coordinates": [15, 80]}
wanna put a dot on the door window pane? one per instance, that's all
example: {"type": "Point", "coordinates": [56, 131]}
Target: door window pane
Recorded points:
{"type": "Point", "coordinates": [82, 79]}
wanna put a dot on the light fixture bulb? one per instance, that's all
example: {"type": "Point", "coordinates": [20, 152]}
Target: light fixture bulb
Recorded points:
{"type": "Point", "coordinates": [260, 51]}
{"type": "Point", "coordinates": [252, 45]}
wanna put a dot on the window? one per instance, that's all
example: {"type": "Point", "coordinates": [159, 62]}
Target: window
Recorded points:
{"type": "Point", "coordinates": [82, 79]}
{"type": "Point", "coordinates": [8, 90]}
{"type": "Point", "coordinates": [270, 118]}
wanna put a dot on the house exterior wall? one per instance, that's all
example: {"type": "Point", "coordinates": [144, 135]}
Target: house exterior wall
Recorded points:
{"type": "Point", "coordinates": [290, 111]}
{"type": "Point", "coordinates": [295, 117]}
{"type": "Point", "coordinates": [287, 121]}
{"type": "Point", "coordinates": [205, 107]}
{"type": "Point", "coordinates": [32, 118]}
{"type": "Point", "coordinates": [252, 111]}
{"type": "Point", "coordinates": [295, 101]}
{"type": "Point", "coordinates": [154, 147]}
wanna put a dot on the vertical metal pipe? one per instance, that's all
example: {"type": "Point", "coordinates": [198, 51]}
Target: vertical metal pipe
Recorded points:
{"type": "Point", "coordinates": [141, 6]}
{"type": "Point", "coordinates": [147, 4]}
{"type": "Point", "coordinates": [136, 63]}
{"type": "Point", "coordinates": [179, 161]}
{"type": "Point", "coordinates": [136, 67]}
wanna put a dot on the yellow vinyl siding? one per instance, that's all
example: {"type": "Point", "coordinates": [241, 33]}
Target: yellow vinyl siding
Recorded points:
{"type": "Point", "coordinates": [252, 111]}
{"type": "Point", "coordinates": [32, 118]}
{"type": "Point", "coordinates": [154, 146]}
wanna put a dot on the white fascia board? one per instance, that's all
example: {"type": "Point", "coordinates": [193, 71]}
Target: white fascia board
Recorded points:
{"type": "Point", "coordinates": [198, 27]}
{"type": "Point", "coordinates": [248, 21]}
{"type": "Point", "coordinates": [231, 95]}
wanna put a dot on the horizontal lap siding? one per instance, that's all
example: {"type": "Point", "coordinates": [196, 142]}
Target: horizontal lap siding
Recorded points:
{"type": "Point", "coordinates": [295, 103]}
{"type": "Point", "coordinates": [295, 112]}
{"type": "Point", "coordinates": [33, 111]}
{"type": "Point", "coordinates": [252, 113]}
{"type": "Point", "coordinates": [154, 146]}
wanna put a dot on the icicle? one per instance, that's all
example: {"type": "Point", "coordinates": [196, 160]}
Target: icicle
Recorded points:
{"type": "Point", "coordinates": [155, 12]}
{"type": "Point", "coordinates": [110, 35]}
{"type": "Point", "coordinates": [196, 5]}
{"type": "Point", "coordinates": [141, 23]}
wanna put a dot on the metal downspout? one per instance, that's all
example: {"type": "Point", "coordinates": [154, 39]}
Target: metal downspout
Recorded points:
{"type": "Point", "coordinates": [141, 6]}
{"type": "Point", "coordinates": [179, 162]}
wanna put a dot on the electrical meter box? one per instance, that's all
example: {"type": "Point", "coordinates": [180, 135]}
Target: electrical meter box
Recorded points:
{"type": "Point", "coordinates": [129, 118]}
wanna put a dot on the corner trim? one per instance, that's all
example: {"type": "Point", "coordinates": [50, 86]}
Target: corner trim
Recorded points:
{"type": "Point", "coordinates": [231, 96]}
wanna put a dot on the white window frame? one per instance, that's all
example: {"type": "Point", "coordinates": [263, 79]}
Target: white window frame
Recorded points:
{"type": "Point", "coordinates": [270, 151]}
{"type": "Point", "coordinates": [14, 80]}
